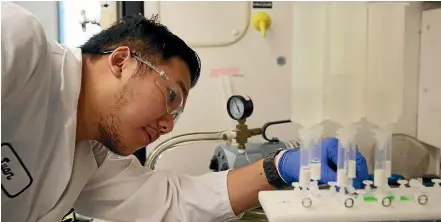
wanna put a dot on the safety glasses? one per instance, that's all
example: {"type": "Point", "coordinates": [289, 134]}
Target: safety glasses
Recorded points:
{"type": "Point", "coordinates": [174, 97]}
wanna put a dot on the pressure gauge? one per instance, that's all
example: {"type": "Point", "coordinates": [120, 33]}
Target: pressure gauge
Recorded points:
{"type": "Point", "coordinates": [239, 107]}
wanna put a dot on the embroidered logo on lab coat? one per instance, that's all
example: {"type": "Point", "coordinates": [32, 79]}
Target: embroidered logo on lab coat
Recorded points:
{"type": "Point", "coordinates": [15, 177]}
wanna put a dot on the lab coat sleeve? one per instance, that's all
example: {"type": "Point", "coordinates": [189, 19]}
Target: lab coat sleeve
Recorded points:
{"type": "Point", "coordinates": [123, 190]}
{"type": "Point", "coordinates": [24, 50]}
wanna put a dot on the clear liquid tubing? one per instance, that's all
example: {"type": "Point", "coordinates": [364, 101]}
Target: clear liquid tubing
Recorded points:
{"type": "Point", "coordinates": [347, 69]}
{"type": "Point", "coordinates": [316, 170]}
{"type": "Point", "coordinates": [346, 154]}
{"type": "Point", "coordinates": [352, 158]}
{"type": "Point", "coordinates": [382, 137]}
{"type": "Point", "coordinates": [307, 142]}
{"type": "Point", "coordinates": [308, 63]}
{"type": "Point", "coordinates": [388, 158]}
{"type": "Point", "coordinates": [342, 167]}
{"type": "Point", "coordinates": [379, 177]}
{"type": "Point", "coordinates": [352, 169]}
{"type": "Point", "coordinates": [383, 95]}
{"type": "Point", "coordinates": [342, 178]}
{"type": "Point", "coordinates": [316, 152]}
{"type": "Point", "coordinates": [305, 177]}
{"type": "Point", "coordinates": [388, 168]}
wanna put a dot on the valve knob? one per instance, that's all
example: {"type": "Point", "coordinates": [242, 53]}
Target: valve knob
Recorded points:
{"type": "Point", "coordinates": [436, 182]}
{"type": "Point", "coordinates": [333, 184]}
{"type": "Point", "coordinates": [296, 185]}
{"type": "Point", "coordinates": [367, 184]}
{"type": "Point", "coordinates": [402, 183]}
{"type": "Point", "coordinates": [414, 183]}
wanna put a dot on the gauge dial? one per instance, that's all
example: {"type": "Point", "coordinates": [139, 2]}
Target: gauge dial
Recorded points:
{"type": "Point", "coordinates": [236, 108]}
{"type": "Point", "coordinates": [239, 107]}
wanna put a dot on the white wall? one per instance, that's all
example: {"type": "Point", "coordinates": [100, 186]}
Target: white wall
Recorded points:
{"type": "Point", "coordinates": [267, 83]}
{"type": "Point", "coordinates": [74, 35]}
{"type": "Point", "coordinates": [429, 118]}
{"type": "Point", "coordinates": [429, 104]}
{"type": "Point", "coordinates": [47, 13]}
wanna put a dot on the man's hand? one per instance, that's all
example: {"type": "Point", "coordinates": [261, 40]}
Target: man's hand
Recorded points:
{"type": "Point", "coordinates": [245, 183]}
{"type": "Point", "coordinates": [288, 164]}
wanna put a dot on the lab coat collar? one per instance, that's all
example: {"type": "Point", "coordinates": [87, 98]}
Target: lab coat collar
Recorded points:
{"type": "Point", "coordinates": [78, 54]}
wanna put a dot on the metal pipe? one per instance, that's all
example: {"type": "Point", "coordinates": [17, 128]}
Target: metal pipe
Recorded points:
{"type": "Point", "coordinates": [174, 141]}
{"type": "Point", "coordinates": [185, 134]}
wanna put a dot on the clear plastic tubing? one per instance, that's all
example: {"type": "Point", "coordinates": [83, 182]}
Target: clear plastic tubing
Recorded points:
{"type": "Point", "coordinates": [316, 152]}
{"type": "Point", "coordinates": [347, 55]}
{"type": "Point", "coordinates": [342, 163]}
{"type": "Point", "coordinates": [310, 154]}
{"type": "Point", "coordinates": [388, 158]}
{"type": "Point", "coordinates": [308, 79]}
{"type": "Point", "coordinates": [383, 147]}
{"type": "Point", "coordinates": [352, 161]}
{"type": "Point", "coordinates": [305, 151]}
{"type": "Point", "coordinates": [382, 138]}
{"type": "Point", "coordinates": [346, 162]}
{"type": "Point", "coordinates": [383, 97]}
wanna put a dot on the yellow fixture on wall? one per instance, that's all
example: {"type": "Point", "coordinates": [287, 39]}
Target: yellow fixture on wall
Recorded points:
{"type": "Point", "coordinates": [261, 21]}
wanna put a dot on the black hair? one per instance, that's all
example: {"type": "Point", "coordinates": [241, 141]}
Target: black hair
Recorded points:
{"type": "Point", "coordinates": [147, 38]}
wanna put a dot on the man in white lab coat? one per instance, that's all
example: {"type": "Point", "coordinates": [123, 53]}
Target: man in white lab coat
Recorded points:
{"type": "Point", "coordinates": [70, 121]}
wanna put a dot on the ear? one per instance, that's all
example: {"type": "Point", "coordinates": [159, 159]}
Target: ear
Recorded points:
{"type": "Point", "coordinates": [117, 59]}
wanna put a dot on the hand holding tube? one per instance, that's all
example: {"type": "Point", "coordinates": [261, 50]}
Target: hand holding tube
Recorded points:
{"type": "Point", "coordinates": [288, 164]}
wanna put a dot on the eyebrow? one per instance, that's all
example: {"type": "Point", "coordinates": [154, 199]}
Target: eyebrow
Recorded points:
{"type": "Point", "coordinates": [184, 90]}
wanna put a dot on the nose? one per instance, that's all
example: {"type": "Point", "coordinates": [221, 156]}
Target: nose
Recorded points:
{"type": "Point", "coordinates": [166, 124]}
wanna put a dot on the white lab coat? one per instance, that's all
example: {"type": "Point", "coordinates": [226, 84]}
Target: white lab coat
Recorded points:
{"type": "Point", "coordinates": [45, 174]}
